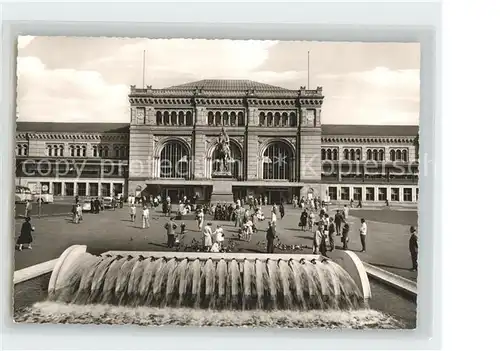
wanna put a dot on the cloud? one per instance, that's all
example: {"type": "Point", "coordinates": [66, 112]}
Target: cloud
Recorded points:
{"type": "Point", "coordinates": [67, 94]}
{"type": "Point", "coordinates": [377, 96]}
{"type": "Point", "coordinates": [88, 79]}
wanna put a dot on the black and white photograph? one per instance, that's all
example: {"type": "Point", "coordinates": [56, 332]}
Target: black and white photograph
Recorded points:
{"type": "Point", "coordinates": [220, 183]}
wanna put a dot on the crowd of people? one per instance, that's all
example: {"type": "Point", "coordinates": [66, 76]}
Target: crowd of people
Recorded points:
{"type": "Point", "coordinates": [245, 214]}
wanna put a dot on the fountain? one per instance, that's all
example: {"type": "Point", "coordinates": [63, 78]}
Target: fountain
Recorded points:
{"type": "Point", "coordinates": [247, 289]}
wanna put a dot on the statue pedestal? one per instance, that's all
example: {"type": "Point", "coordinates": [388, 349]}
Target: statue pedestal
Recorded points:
{"type": "Point", "coordinates": [222, 190]}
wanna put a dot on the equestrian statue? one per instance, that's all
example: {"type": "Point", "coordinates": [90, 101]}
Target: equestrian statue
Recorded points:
{"type": "Point", "coordinates": [223, 152]}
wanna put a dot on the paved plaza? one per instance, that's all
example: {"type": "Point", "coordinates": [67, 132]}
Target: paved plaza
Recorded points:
{"type": "Point", "coordinates": [387, 243]}
{"type": "Point", "coordinates": [113, 230]}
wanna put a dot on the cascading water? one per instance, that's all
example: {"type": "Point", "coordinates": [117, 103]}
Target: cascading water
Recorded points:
{"type": "Point", "coordinates": [218, 284]}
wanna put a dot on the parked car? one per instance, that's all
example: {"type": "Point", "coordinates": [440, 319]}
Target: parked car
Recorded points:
{"type": "Point", "coordinates": [44, 198]}
{"type": "Point", "coordinates": [107, 202]}
{"type": "Point", "coordinates": [86, 207]}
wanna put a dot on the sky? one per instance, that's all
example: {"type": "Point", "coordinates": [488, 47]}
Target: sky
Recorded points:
{"type": "Point", "coordinates": [83, 79]}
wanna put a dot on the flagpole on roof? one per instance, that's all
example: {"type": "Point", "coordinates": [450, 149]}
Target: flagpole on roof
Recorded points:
{"type": "Point", "coordinates": [308, 70]}
{"type": "Point", "coordinates": [143, 68]}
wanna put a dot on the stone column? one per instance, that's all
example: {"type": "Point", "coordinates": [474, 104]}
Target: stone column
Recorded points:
{"type": "Point", "coordinates": [252, 157]}
{"type": "Point", "coordinates": [414, 194]}
{"type": "Point", "coordinates": [401, 199]}
{"type": "Point", "coordinates": [198, 156]}
{"type": "Point", "coordinates": [200, 116]}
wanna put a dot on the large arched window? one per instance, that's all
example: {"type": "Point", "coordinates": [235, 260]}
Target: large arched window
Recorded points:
{"type": "Point", "coordinates": [236, 162]}
{"type": "Point", "coordinates": [277, 161]}
{"type": "Point", "coordinates": [174, 160]}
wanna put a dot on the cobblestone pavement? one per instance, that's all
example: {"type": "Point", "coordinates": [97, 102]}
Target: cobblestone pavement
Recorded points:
{"type": "Point", "coordinates": [387, 243]}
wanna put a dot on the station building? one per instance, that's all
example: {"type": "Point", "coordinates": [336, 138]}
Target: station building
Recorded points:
{"type": "Point", "coordinates": [278, 144]}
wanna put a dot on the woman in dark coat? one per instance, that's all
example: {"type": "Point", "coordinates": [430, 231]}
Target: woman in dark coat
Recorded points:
{"type": "Point", "coordinates": [282, 210]}
{"type": "Point", "coordinates": [303, 219]}
{"type": "Point", "coordinates": [25, 238]}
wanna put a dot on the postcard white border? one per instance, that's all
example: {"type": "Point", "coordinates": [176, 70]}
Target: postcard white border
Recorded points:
{"type": "Point", "coordinates": [371, 21]}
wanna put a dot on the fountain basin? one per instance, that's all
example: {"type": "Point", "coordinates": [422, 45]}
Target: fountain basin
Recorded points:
{"type": "Point", "coordinates": [63, 306]}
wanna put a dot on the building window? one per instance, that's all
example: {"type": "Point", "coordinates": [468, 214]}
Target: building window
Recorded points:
{"type": "Point", "coordinates": [69, 189]}
{"type": "Point", "coordinates": [369, 155]}
{"type": "Point", "coordinates": [394, 194]}
{"type": "Point", "coordinates": [345, 193]}
{"type": "Point", "coordinates": [82, 189]}
{"type": "Point", "coordinates": [117, 152]}
{"type": "Point", "coordinates": [407, 194]}
{"type": "Point", "coordinates": [332, 193]}
{"type": "Point", "coordinates": [174, 158]}
{"type": "Point", "coordinates": [398, 155]}
{"type": "Point", "coordinates": [117, 188]}
{"type": "Point", "coordinates": [382, 194]}
{"type": "Point", "coordinates": [370, 194]}
{"type": "Point", "coordinates": [57, 189]}
{"type": "Point", "coordinates": [22, 149]}
{"type": "Point", "coordinates": [94, 189]}
{"type": "Point", "coordinates": [416, 193]}
{"type": "Point", "coordinates": [277, 161]}
{"type": "Point", "coordinates": [159, 118]}
{"type": "Point", "coordinates": [357, 193]}
{"type": "Point", "coordinates": [105, 189]}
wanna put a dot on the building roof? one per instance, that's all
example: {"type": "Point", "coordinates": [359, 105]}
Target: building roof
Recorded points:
{"type": "Point", "coordinates": [58, 127]}
{"type": "Point", "coordinates": [368, 130]}
{"type": "Point", "coordinates": [229, 85]}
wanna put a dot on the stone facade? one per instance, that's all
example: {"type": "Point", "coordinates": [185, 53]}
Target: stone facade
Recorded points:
{"type": "Point", "coordinates": [280, 147]}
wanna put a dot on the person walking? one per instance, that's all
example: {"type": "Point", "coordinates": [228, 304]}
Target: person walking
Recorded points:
{"type": "Point", "coordinates": [145, 217]}
{"type": "Point", "coordinates": [317, 238]}
{"type": "Point", "coordinates": [345, 213]}
{"type": "Point", "coordinates": [303, 220]}
{"type": "Point", "coordinates": [27, 209]}
{"type": "Point", "coordinates": [413, 246]}
{"type": "Point", "coordinates": [270, 236]}
{"type": "Point", "coordinates": [219, 237]}
{"type": "Point", "coordinates": [207, 237]}
{"type": "Point", "coordinates": [97, 205]}
{"type": "Point", "coordinates": [133, 212]}
{"type": "Point", "coordinates": [274, 219]}
{"type": "Point", "coordinates": [362, 234]}
{"type": "Point", "coordinates": [79, 213]}
{"type": "Point", "coordinates": [25, 238]}
{"type": "Point", "coordinates": [199, 218]}
{"type": "Point", "coordinates": [282, 210]}
{"type": "Point", "coordinates": [345, 236]}
{"type": "Point", "coordinates": [338, 220]}
{"type": "Point", "coordinates": [170, 227]}
{"type": "Point", "coordinates": [331, 233]}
